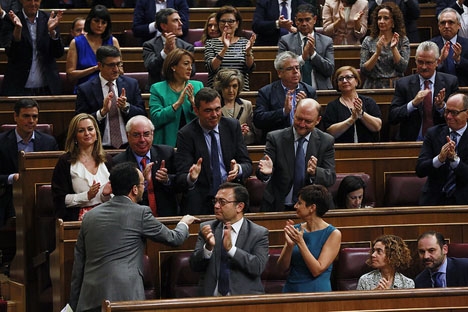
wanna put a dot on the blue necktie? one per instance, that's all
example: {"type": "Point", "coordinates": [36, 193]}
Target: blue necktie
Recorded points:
{"type": "Point", "coordinates": [299, 169]}
{"type": "Point", "coordinates": [450, 61]}
{"type": "Point", "coordinates": [223, 278]}
{"type": "Point", "coordinates": [451, 184]}
{"type": "Point", "coordinates": [215, 166]}
{"type": "Point", "coordinates": [437, 280]}
{"type": "Point", "coordinates": [284, 12]}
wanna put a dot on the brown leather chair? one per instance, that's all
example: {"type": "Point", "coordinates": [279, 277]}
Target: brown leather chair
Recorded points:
{"type": "Point", "coordinates": [127, 39]}
{"type": "Point", "coordinates": [203, 77]}
{"type": "Point", "coordinates": [458, 250]}
{"type": "Point", "coordinates": [181, 281]}
{"type": "Point", "coordinates": [272, 279]}
{"type": "Point", "coordinates": [46, 128]}
{"type": "Point", "coordinates": [148, 274]}
{"type": "Point", "coordinates": [193, 34]}
{"type": "Point", "coordinates": [403, 189]}
{"type": "Point", "coordinates": [67, 86]}
{"type": "Point", "coordinates": [255, 187]}
{"type": "Point", "coordinates": [351, 265]}
{"type": "Point", "coordinates": [142, 78]}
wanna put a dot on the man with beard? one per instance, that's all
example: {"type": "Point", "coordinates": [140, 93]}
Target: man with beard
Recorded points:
{"type": "Point", "coordinates": [441, 271]}
{"type": "Point", "coordinates": [419, 99]}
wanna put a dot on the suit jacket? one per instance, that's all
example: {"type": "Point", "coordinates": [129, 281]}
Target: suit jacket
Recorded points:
{"type": "Point", "coordinates": [280, 148]}
{"type": "Point", "coordinates": [191, 146]}
{"type": "Point", "coordinates": [145, 12]}
{"type": "Point", "coordinates": [153, 60]}
{"type": "Point", "coordinates": [20, 55]}
{"type": "Point", "coordinates": [247, 265]}
{"type": "Point", "coordinates": [9, 165]}
{"type": "Point", "coordinates": [462, 67]}
{"type": "Point", "coordinates": [89, 98]}
{"type": "Point", "coordinates": [457, 274]}
{"type": "Point", "coordinates": [323, 63]}
{"type": "Point", "coordinates": [165, 194]}
{"type": "Point", "coordinates": [410, 10]}
{"type": "Point", "coordinates": [109, 252]}
{"type": "Point", "coordinates": [436, 177]}
{"type": "Point", "coordinates": [406, 89]}
{"type": "Point", "coordinates": [264, 21]}
{"type": "Point", "coordinates": [268, 112]}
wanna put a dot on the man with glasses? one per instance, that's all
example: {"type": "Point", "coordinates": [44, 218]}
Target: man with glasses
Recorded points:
{"type": "Point", "coordinates": [295, 157]}
{"type": "Point", "coordinates": [231, 251]}
{"type": "Point", "coordinates": [110, 97]}
{"type": "Point", "coordinates": [453, 48]}
{"type": "Point", "coordinates": [419, 99]}
{"type": "Point", "coordinates": [157, 164]}
{"type": "Point", "coordinates": [444, 157]}
{"type": "Point", "coordinates": [210, 150]}
{"type": "Point", "coordinates": [156, 50]}
{"type": "Point", "coordinates": [276, 102]}
{"type": "Point", "coordinates": [315, 50]}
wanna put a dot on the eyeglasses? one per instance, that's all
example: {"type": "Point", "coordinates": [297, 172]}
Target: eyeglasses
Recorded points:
{"type": "Point", "coordinates": [112, 65]}
{"type": "Point", "coordinates": [291, 68]}
{"type": "Point", "coordinates": [347, 78]}
{"type": "Point", "coordinates": [137, 135]}
{"type": "Point", "coordinates": [454, 113]}
{"type": "Point", "coordinates": [229, 21]}
{"type": "Point", "coordinates": [222, 202]}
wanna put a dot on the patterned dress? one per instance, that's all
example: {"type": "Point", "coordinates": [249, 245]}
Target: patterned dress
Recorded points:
{"type": "Point", "coordinates": [370, 280]}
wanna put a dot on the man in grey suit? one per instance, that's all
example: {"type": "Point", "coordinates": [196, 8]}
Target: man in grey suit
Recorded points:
{"type": "Point", "coordinates": [109, 250]}
{"type": "Point", "coordinates": [155, 50]}
{"type": "Point", "coordinates": [296, 156]}
{"type": "Point", "coordinates": [315, 50]}
{"type": "Point", "coordinates": [26, 138]}
{"type": "Point", "coordinates": [231, 251]}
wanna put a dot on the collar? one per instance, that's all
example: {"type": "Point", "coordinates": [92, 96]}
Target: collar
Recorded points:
{"type": "Point", "coordinates": [442, 268]}
{"type": "Point", "coordinates": [104, 81]}
{"type": "Point", "coordinates": [207, 131]}
{"type": "Point", "coordinates": [19, 139]}
{"type": "Point", "coordinates": [286, 89]}
{"type": "Point", "coordinates": [459, 131]}
{"type": "Point", "coordinates": [27, 18]}
{"type": "Point", "coordinates": [431, 79]}
{"type": "Point", "coordinates": [302, 36]}
{"type": "Point", "coordinates": [237, 225]}
{"type": "Point", "coordinates": [453, 40]}
{"type": "Point", "coordinates": [297, 136]}
{"type": "Point", "coordinates": [139, 158]}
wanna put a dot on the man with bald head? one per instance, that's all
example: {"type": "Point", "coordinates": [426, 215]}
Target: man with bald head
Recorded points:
{"type": "Point", "coordinates": [160, 167]}
{"type": "Point", "coordinates": [308, 148]}
{"type": "Point", "coordinates": [444, 157]}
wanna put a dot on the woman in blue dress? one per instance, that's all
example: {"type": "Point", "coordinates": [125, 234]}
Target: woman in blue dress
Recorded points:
{"type": "Point", "coordinates": [81, 58]}
{"type": "Point", "coordinates": [311, 246]}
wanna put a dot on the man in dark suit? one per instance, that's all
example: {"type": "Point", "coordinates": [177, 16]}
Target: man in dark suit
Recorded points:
{"type": "Point", "coordinates": [453, 48]}
{"type": "Point", "coordinates": [109, 250]}
{"type": "Point", "coordinates": [160, 164]}
{"type": "Point", "coordinates": [155, 50]}
{"type": "Point", "coordinates": [97, 98]}
{"type": "Point", "coordinates": [23, 138]}
{"type": "Point", "coordinates": [444, 157]}
{"type": "Point", "coordinates": [269, 23]}
{"type": "Point", "coordinates": [284, 170]}
{"type": "Point", "coordinates": [275, 104]}
{"type": "Point", "coordinates": [410, 10]}
{"type": "Point", "coordinates": [32, 51]}
{"type": "Point", "coordinates": [315, 50]}
{"type": "Point", "coordinates": [407, 107]}
{"type": "Point", "coordinates": [5, 7]}
{"type": "Point", "coordinates": [144, 25]}
{"type": "Point", "coordinates": [440, 270]}
{"type": "Point", "coordinates": [210, 150]}
{"type": "Point", "coordinates": [230, 246]}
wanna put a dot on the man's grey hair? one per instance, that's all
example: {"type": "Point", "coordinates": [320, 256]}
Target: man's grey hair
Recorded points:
{"type": "Point", "coordinates": [283, 57]}
{"type": "Point", "coordinates": [427, 46]}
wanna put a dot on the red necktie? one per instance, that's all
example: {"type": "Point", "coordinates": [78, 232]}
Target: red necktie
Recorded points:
{"type": "Point", "coordinates": [150, 191]}
{"type": "Point", "coordinates": [427, 121]}
{"type": "Point", "coordinates": [114, 123]}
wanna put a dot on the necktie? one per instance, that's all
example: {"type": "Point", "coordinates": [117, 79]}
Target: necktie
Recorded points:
{"type": "Point", "coordinates": [215, 166]}
{"type": "Point", "coordinates": [284, 12]}
{"type": "Point", "coordinates": [451, 184]}
{"type": "Point", "coordinates": [114, 123]}
{"type": "Point", "coordinates": [299, 169]}
{"type": "Point", "coordinates": [223, 277]}
{"type": "Point", "coordinates": [427, 121]}
{"type": "Point", "coordinates": [437, 280]}
{"type": "Point", "coordinates": [150, 190]}
{"type": "Point", "coordinates": [450, 62]}
{"type": "Point", "coordinates": [306, 69]}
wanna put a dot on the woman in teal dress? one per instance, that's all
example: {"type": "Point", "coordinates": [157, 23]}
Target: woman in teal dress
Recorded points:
{"type": "Point", "coordinates": [311, 246]}
{"type": "Point", "coordinates": [172, 100]}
